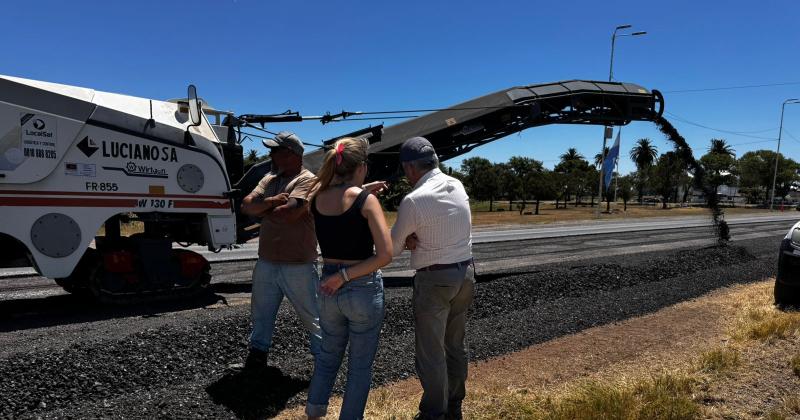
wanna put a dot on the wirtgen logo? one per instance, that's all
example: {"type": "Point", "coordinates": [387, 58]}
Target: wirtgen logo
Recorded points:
{"type": "Point", "coordinates": [145, 171]}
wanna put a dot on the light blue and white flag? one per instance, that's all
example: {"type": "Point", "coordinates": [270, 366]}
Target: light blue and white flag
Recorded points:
{"type": "Point", "coordinates": [610, 162]}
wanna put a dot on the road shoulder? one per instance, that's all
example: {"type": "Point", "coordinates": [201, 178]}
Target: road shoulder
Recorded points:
{"type": "Point", "coordinates": [670, 340]}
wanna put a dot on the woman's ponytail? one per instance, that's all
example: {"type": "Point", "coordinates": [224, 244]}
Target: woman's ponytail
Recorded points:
{"type": "Point", "coordinates": [340, 162]}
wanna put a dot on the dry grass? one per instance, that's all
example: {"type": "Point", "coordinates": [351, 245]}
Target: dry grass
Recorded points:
{"type": "Point", "coordinates": [509, 403]}
{"type": "Point", "coordinates": [760, 320]}
{"type": "Point", "coordinates": [665, 396]}
{"type": "Point", "coordinates": [790, 408]}
{"type": "Point", "coordinates": [126, 229]}
{"type": "Point", "coordinates": [548, 214]}
{"type": "Point", "coordinates": [795, 364]}
{"type": "Point", "coordinates": [718, 360]}
{"type": "Point", "coordinates": [792, 405]}
{"type": "Point", "coordinates": [383, 404]}
{"type": "Point", "coordinates": [767, 323]}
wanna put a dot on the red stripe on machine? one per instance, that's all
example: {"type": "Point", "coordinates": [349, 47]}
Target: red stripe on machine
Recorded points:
{"type": "Point", "coordinates": [102, 202]}
{"type": "Point", "coordinates": [107, 194]}
{"type": "Point", "coordinates": [195, 204]}
{"type": "Point", "coordinates": [65, 202]}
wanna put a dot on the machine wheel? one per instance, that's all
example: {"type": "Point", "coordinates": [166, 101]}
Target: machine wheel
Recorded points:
{"type": "Point", "coordinates": [70, 287]}
{"type": "Point", "coordinates": [77, 283]}
{"type": "Point", "coordinates": [120, 277]}
{"type": "Point", "coordinates": [195, 269]}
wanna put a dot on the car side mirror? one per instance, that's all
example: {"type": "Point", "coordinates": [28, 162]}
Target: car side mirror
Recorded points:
{"type": "Point", "coordinates": [795, 236]}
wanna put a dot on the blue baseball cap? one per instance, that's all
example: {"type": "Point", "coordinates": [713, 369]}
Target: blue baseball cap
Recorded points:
{"type": "Point", "coordinates": [416, 148]}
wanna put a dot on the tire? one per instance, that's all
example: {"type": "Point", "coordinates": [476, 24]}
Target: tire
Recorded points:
{"type": "Point", "coordinates": [785, 294]}
{"type": "Point", "coordinates": [77, 283]}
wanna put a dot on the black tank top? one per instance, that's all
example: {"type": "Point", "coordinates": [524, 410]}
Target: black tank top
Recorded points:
{"type": "Point", "coordinates": [345, 236]}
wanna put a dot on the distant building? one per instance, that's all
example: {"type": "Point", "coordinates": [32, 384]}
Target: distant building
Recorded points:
{"type": "Point", "coordinates": [727, 194]}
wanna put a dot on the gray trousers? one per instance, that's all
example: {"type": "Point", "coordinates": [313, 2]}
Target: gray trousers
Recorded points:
{"type": "Point", "coordinates": [441, 299]}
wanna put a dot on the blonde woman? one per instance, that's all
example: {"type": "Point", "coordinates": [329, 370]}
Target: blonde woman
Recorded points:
{"type": "Point", "coordinates": [355, 243]}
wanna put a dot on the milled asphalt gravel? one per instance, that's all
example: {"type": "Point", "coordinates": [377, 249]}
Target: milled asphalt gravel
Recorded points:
{"type": "Point", "coordinates": [177, 363]}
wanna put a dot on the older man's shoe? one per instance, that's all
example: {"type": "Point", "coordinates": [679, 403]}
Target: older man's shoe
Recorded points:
{"type": "Point", "coordinates": [423, 416]}
{"type": "Point", "coordinates": [256, 360]}
{"type": "Point", "coordinates": [454, 411]}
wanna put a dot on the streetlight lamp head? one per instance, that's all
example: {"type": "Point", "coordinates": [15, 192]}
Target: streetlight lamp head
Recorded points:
{"type": "Point", "coordinates": [623, 26]}
{"type": "Point", "coordinates": [639, 33]}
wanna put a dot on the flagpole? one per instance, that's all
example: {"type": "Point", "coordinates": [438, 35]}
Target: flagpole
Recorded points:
{"type": "Point", "coordinates": [616, 178]}
{"type": "Point", "coordinates": [609, 162]}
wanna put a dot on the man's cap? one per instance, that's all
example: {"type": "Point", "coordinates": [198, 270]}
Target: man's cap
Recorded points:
{"type": "Point", "coordinates": [286, 139]}
{"type": "Point", "coordinates": [416, 148]}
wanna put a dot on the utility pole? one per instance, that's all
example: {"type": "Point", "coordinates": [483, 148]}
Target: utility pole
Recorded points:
{"type": "Point", "coordinates": [778, 152]}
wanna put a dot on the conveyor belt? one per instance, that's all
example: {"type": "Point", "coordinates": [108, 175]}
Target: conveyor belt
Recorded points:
{"type": "Point", "coordinates": [463, 127]}
{"type": "Point", "coordinates": [460, 128]}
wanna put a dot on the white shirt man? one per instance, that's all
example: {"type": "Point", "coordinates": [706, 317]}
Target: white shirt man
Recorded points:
{"type": "Point", "coordinates": [438, 212]}
{"type": "Point", "coordinates": [434, 221]}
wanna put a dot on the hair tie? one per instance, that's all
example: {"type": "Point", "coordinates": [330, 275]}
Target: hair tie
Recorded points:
{"type": "Point", "coordinates": [339, 150]}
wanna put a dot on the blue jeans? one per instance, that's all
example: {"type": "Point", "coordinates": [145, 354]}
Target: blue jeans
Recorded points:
{"type": "Point", "coordinates": [273, 281]}
{"type": "Point", "coordinates": [355, 314]}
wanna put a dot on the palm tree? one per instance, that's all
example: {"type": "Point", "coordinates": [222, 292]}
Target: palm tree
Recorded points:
{"type": "Point", "coordinates": [571, 166]}
{"type": "Point", "coordinates": [720, 146]}
{"type": "Point", "coordinates": [571, 155]}
{"type": "Point", "coordinates": [643, 154]}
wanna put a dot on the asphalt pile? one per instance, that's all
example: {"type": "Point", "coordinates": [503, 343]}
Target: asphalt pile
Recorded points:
{"type": "Point", "coordinates": [187, 369]}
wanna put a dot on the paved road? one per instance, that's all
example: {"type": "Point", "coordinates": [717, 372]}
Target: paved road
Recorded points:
{"type": "Point", "coordinates": [492, 234]}
{"type": "Point", "coordinates": [498, 250]}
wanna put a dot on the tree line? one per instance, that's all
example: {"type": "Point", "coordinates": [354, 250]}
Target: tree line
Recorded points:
{"type": "Point", "coordinates": [524, 181]}
{"type": "Point", "coordinates": [665, 177]}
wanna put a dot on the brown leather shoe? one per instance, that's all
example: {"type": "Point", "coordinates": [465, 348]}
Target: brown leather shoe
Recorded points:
{"type": "Point", "coordinates": [454, 412]}
{"type": "Point", "coordinates": [423, 416]}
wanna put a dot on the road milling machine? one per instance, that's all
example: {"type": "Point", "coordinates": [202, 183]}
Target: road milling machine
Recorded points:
{"type": "Point", "coordinates": [75, 162]}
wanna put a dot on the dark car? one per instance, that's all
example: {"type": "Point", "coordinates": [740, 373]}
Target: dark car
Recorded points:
{"type": "Point", "coordinates": [787, 282]}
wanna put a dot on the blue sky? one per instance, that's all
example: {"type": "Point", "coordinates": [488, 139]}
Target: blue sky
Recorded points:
{"type": "Point", "coordinates": [313, 57]}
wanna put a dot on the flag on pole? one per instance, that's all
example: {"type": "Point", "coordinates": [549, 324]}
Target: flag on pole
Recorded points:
{"type": "Point", "coordinates": [610, 162]}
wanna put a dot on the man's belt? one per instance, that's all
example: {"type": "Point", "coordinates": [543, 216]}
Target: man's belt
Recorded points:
{"type": "Point", "coordinates": [438, 267]}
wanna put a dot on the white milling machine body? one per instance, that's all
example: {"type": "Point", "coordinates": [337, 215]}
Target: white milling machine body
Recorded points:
{"type": "Point", "coordinates": [74, 159]}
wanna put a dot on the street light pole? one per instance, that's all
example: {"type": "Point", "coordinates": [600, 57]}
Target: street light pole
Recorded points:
{"type": "Point", "coordinates": [610, 78]}
{"type": "Point", "coordinates": [778, 151]}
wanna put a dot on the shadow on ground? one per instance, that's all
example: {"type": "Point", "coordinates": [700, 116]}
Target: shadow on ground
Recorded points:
{"type": "Point", "coordinates": [255, 395]}
{"type": "Point", "coordinates": [22, 314]}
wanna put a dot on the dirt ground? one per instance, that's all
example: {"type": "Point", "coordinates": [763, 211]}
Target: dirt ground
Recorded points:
{"type": "Point", "coordinates": [670, 340]}
{"type": "Point", "coordinates": [549, 214]}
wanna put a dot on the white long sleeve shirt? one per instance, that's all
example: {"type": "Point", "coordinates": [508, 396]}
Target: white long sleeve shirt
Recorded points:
{"type": "Point", "coordinates": [437, 210]}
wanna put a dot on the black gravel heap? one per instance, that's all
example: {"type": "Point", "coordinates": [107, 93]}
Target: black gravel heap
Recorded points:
{"type": "Point", "coordinates": [184, 369]}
